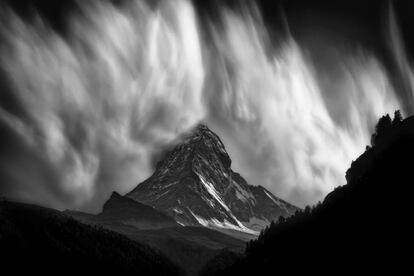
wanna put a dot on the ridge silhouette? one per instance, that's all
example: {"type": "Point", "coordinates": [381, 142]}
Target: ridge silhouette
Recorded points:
{"type": "Point", "coordinates": [364, 226]}
{"type": "Point", "coordinates": [361, 227]}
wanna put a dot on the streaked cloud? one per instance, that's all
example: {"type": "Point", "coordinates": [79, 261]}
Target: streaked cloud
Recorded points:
{"type": "Point", "coordinates": [88, 110]}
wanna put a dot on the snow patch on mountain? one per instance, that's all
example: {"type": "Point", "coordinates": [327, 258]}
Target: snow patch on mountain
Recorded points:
{"type": "Point", "coordinates": [242, 194]}
{"type": "Point", "coordinates": [277, 201]}
{"type": "Point", "coordinates": [195, 185]}
{"type": "Point", "coordinates": [271, 197]}
{"type": "Point", "coordinates": [178, 211]}
{"type": "Point", "coordinates": [255, 223]}
{"type": "Point", "coordinates": [215, 223]}
{"type": "Point", "coordinates": [212, 191]}
{"type": "Point", "coordinates": [200, 220]}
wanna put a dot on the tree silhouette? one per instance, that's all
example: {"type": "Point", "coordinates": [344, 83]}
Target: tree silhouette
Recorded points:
{"type": "Point", "coordinates": [383, 126]}
{"type": "Point", "coordinates": [348, 232]}
{"type": "Point", "coordinates": [397, 117]}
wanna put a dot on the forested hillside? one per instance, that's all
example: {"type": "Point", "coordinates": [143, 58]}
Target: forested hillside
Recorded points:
{"type": "Point", "coordinates": [36, 240]}
{"type": "Point", "coordinates": [363, 226]}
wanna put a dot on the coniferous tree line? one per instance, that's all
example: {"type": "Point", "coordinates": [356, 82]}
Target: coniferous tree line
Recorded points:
{"type": "Point", "coordinates": [359, 227]}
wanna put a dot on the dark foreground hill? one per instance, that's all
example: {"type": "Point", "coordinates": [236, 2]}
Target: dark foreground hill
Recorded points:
{"type": "Point", "coordinates": [41, 241]}
{"type": "Point", "coordinates": [187, 247]}
{"type": "Point", "coordinates": [362, 227]}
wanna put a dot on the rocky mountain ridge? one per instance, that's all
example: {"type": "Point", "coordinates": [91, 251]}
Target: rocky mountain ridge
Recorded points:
{"type": "Point", "coordinates": [195, 185]}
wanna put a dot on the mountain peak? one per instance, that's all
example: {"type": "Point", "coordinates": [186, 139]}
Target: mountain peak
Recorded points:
{"type": "Point", "coordinates": [201, 128]}
{"type": "Point", "coordinates": [202, 131]}
{"type": "Point", "coordinates": [195, 184]}
{"type": "Point", "coordinates": [211, 144]}
{"type": "Point", "coordinates": [198, 143]}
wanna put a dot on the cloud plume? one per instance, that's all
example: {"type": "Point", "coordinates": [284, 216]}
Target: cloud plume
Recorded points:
{"type": "Point", "coordinates": [83, 113]}
{"type": "Point", "coordinates": [296, 130]}
{"type": "Point", "coordinates": [99, 101]}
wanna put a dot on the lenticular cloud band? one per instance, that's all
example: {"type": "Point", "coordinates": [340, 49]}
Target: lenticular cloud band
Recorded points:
{"type": "Point", "coordinates": [100, 100]}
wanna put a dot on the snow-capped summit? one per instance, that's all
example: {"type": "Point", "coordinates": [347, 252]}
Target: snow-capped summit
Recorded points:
{"type": "Point", "coordinates": [195, 185]}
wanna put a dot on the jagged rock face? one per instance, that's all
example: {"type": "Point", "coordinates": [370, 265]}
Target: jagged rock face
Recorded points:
{"type": "Point", "coordinates": [195, 185]}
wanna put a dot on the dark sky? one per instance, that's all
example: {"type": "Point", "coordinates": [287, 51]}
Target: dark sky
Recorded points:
{"type": "Point", "coordinates": [363, 21]}
{"type": "Point", "coordinates": [316, 73]}
{"type": "Point", "coordinates": [357, 20]}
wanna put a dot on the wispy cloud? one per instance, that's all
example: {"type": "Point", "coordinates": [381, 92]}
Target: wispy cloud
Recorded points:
{"type": "Point", "coordinates": [83, 114]}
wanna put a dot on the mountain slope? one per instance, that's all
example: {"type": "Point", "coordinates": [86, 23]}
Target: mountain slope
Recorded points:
{"type": "Point", "coordinates": [363, 227]}
{"type": "Point", "coordinates": [126, 211]}
{"type": "Point", "coordinates": [36, 240]}
{"type": "Point", "coordinates": [188, 247]}
{"type": "Point", "coordinates": [195, 185]}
